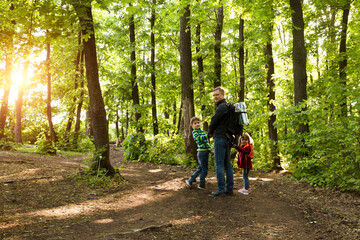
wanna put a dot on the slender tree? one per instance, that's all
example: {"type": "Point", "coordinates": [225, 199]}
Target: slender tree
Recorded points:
{"type": "Point", "coordinates": [5, 99]}
{"type": "Point", "coordinates": [218, 33]}
{"type": "Point", "coordinates": [53, 135]}
{"type": "Point", "coordinates": [9, 52]}
{"type": "Point", "coordinates": [97, 108]}
{"type": "Point", "coordinates": [153, 77]}
{"type": "Point", "coordinates": [187, 80]}
{"type": "Point", "coordinates": [134, 84]}
{"type": "Point", "coordinates": [273, 135]}
{"type": "Point", "coordinates": [241, 61]}
{"type": "Point", "coordinates": [76, 85]}
{"type": "Point", "coordinates": [81, 98]}
{"type": "Point", "coordinates": [299, 59]}
{"type": "Point", "coordinates": [343, 56]}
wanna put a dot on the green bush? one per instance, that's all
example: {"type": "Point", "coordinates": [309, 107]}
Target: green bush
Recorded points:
{"type": "Point", "coordinates": [44, 145]}
{"type": "Point", "coordinates": [159, 149]}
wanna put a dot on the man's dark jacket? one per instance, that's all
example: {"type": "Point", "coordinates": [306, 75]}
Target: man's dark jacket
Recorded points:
{"type": "Point", "coordinates": [217, 126]}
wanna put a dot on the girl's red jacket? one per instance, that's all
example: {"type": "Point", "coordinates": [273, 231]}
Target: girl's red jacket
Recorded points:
{"type": "Point", "coordinates": [243, 161]}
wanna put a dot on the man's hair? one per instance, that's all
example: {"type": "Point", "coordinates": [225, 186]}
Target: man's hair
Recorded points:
{"type": "Point", "coordinates": [221, 89]}
{"type": "Point", "coordinates": [193, 119]}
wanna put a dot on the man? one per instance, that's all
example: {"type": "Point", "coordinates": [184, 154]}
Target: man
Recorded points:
{"type": "Point", "coordinates": [222, 147]}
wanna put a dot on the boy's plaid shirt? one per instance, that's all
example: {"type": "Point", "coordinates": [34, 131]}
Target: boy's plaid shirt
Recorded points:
{"type": "Point", "coordinates": [201, 140]}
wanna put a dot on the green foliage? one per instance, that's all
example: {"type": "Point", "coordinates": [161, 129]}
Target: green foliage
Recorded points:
{"type": "Point", "coordinates": [44, 145]}
{"type": "Point", "coordinates": [98, 178]}
{"type": "Point", "coordinates": [159, 149]}
{"type": "Point", "coordinates": [7, 145]}
{"type": "Point", "coordinates": [73, 141]}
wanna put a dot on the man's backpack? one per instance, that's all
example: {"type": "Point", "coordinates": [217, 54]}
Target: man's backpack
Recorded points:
{"type": "Point", "coordinates": [237, 118]}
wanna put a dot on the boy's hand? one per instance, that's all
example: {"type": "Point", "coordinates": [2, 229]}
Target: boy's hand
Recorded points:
{"type": "Point", "coordinates": [212, 153]}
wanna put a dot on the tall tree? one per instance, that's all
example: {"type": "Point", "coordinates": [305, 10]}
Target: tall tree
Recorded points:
{"type": "Point", "coordinates": [81, 98]}
{"type": "Point", "coordinates": [76, 85]}
{"type": "Point", "coordinates": [343, 56]}
{"type": "Point", "coordinates": [48, 102]}
{"type": "Point", "coordinates": [200, 65]}
{"type": "Point", "coordinates": [97, 108]}
{"type": "Point", "coordinates": [218, 33]}
{"type": "Point", "coordinates": [9, 52]}
{"type": "Point", "coordinates": [187, 93]}
{"type": "Point", "coordinates": [299, 59]}
{"type": "Point", "coordinates": [134, 84]}
{"type": "Point", "coordinates": [273, 135]}
{"type": "Point", "coordinates": [241, 61]}
{"type": "Point", "coordinates": [153, 77]}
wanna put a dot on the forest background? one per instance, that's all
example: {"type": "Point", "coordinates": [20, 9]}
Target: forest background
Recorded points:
{"type": "Point", "coordinates": [76, 74]}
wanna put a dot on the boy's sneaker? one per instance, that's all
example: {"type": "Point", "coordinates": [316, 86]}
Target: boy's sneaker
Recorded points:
{"type": "Point", "coordinates": [201, 187]}
{"type": "Point", "coordinates": [188, 184]}
{"type": "Point", "coordinates": [244, 191]}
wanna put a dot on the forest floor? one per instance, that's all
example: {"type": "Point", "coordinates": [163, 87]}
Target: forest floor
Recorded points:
{"type": "Point", "coordinates": [40, 201]}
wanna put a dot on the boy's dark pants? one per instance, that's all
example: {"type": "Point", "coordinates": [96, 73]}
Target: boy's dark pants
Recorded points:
{"type": "Point", "coordinates": [202, 170]}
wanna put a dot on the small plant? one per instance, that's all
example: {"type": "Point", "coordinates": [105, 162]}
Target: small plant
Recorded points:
{"type": "Point", "coordinates": [45, 145]}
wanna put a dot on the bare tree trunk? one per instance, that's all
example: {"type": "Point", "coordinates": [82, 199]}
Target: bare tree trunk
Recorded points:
{"type": "Point", "coordinates": [97, 107]}
{"type": "Point", "coordinates": [135, 89]}
{"type": "Point", "coordinates": [241, 61]}
{"type": "Point", "coordinates": [5, 102]}
{"type": "Point", "coordinates": [273, 134]}
{"type": "Point", "coordinates": [218, 32]}
{"type": "Point", "coordinates": [299, 59]}
{"type": "Point", "coordinates": [81, 99]}
{"type": "Point", "coordinates": [342, 52]}
{"type": "Point", "coordinates": [48, 109]}
{"type": "Point", "coordinates": [187, 81]}
{"type": "Point", "coordinates": [153, 78]}
{"type": "Point", "coordinates": [76, 85]}
{"type": "Point", "coordinates": [200, 63]}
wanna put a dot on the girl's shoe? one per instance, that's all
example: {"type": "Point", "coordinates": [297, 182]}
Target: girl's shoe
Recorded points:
{"type": "Point", "coordinates": [244, 191]}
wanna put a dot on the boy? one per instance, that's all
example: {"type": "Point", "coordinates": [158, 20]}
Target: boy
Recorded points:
{"type": "Point", "coordinates": [203, 150]}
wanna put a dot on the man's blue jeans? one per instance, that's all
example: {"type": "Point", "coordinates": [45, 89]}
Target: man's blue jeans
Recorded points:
{"type": "Point", "coordinates": [202, 170]}
{"type": "Point", "coordinates": [222, 164]}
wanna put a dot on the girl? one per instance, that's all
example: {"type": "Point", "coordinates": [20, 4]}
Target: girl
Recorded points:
{"type": "Point", "coordinates": [244, 161]}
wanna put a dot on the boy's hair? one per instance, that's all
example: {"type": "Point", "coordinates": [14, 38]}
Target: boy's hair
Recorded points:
{"type": "Point", "coordinates": [193, 119]}
{"type": "Point", "coordinates": [221, 89]}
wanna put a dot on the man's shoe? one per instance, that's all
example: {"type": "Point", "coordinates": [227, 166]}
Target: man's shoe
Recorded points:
{"type": "Point", "coordinates": [201, 187]}
{"type": "Point", "coordinates": [188, 184]}
{"type": "Point", "coordinates": [217, 193]}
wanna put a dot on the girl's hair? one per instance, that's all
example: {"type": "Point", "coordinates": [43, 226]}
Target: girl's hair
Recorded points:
{"type": "Point", "coordinates": [247, 137]}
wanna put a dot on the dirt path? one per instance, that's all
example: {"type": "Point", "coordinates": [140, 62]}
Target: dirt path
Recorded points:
{"type": "Point", "coordinates": [155, 204]}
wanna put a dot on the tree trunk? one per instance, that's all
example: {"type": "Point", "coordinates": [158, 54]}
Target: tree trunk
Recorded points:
{"type": "Point", "coordinates": [101, 159]}
{"type": "Point", "coordinates": [343, 61]}
{"type": "Point", "coordinates": [81, 99]}
{"type": "Point", "coordinates": [135, 89]}
{"type": "Point", "coordinates": [200, 63]}
{"type": "Point", "coordinates": [241, 61]}
{"type": "Point", "coordinates": [299, 59]}
{"type": "Point", "coordinates": [76, 85]}
{"type": "Point", "coordinates": [8, 68]}
{"type": "Point", "coordinates": [5, 102]}
{"type": "Point", "coordinates": [187, 81]}
{"type": "Point", "coordinates": [48, 108]}
{"type": "Point", "coordinates": [218, 31]}
{"type": "Point", "coordinates": [273, 135]}
{"type": "Point", "coordinates": [153, 79]}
